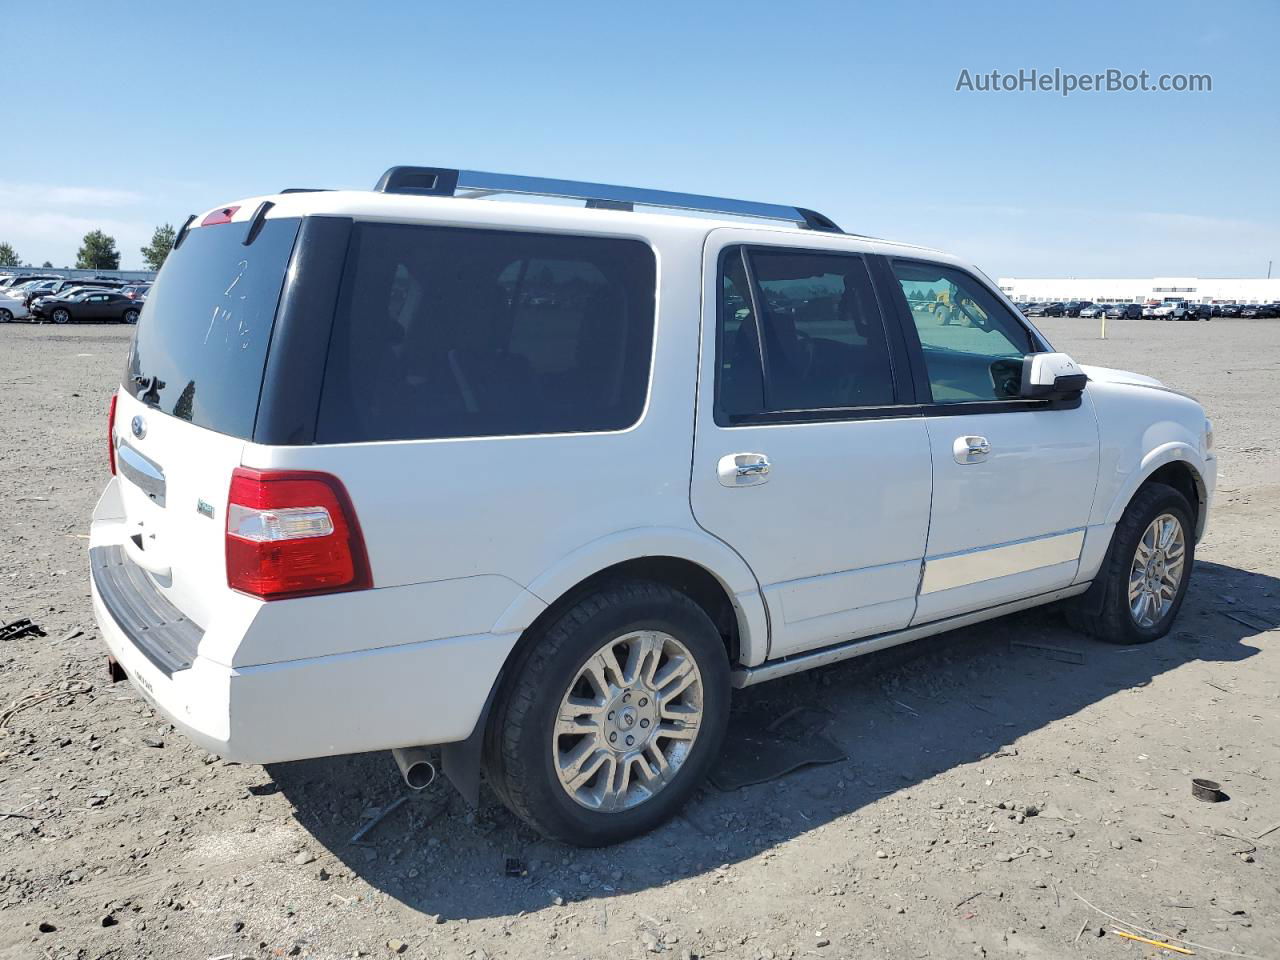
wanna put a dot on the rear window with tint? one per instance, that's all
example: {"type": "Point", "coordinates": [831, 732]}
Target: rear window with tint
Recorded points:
{"type": "Point", "coordinates": [202, 338]}
{"type": "Point", "coordinates": [450, 332]}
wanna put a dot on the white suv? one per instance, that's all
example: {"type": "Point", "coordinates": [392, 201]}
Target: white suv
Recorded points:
{"type": "Point", "coordinates": [542, 483]}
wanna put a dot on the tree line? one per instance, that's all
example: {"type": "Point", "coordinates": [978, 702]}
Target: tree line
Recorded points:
{"type": "Point", "coordinates": [98, 251]}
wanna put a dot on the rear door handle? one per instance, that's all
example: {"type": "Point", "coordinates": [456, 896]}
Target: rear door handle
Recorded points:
{"type": "Point", "coordinates": [743, 469]}
{"type": "Point", "coordinates": [970, 449]}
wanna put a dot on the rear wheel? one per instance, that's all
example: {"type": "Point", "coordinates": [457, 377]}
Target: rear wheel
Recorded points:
{"type": "Point", "coordinates": [1147, 572]}
{"type": "Point", "coordinates": [130, 316]}
{"type": "Point", "coordinates": [61, 315]}
{"type": "Point", "coordinates": [612, 717]}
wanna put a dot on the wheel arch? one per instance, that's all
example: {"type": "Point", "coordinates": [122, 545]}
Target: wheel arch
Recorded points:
{"type": "Point", "coordinates": [1178, 465]}
{"type": "Point", "coordinates": [696, 564]}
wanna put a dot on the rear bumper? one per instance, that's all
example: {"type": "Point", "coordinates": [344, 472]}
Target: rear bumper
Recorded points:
{"type": "Point", "coordinates": [399, 695]}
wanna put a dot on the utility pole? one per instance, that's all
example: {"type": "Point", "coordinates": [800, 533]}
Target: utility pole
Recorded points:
{"type": "Point", "coordinates": [1268, 269]}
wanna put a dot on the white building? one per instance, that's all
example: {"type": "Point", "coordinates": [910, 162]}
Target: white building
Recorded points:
{"type": "Point", "coordinates": [1159, 289]}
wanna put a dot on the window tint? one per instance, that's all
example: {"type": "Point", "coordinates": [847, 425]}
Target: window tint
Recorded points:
{"type": "Point", "coordinates": [973, 346]}
{"type": "Point", "coordinates": [447, 332]}
{"type": "Point", "coordinates": [741, 385]}
{"type": "Point", "coordinates": [201, 342]}
{"type": "Point", "coordinates": [823, 339]}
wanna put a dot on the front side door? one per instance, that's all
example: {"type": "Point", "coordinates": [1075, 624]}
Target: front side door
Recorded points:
{"type": "Point", "coordinates": [1013, 480]}
{"type": "Point", "coordinates": [809, 459]}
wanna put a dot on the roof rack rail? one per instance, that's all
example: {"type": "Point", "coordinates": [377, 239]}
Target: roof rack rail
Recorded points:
{"type": "Point", "coordinates": [446, 182]}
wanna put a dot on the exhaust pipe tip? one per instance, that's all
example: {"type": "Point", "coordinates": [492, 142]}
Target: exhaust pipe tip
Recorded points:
{"type": "Point", "coordinates": [415, 766]}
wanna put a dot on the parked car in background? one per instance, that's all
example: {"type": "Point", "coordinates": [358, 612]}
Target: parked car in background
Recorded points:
{"type": "Point", "coordinates": [1124, 311]}
{"type": "Point", "coordinates": [1261, 310]}
{"type": "Point", "coordinates": [1165, 310]}
{"type": "Point", "coordinates": [19, 290]}
{"type": "Point", "coordinates": [68, 293]}
{"type": "Point", "coordinates": [13, 281]}
{"type": "Point", "coordinates": [87, 305]}
{"type": "Point", "coordinates": [136, 291]}
{"type": "Point", "coordinates": [1229, 309]}
{"type": "Point", "coordinates": [1047, 309]}
{"type": "Point", "coordinates": [1093, 310]}
{"type": "Point", "coordinates": [11, 308]}
{"type": "Point", "coordinates": [1073, 307]}
{"type": "Point", "coordinates": [38, 288]}
{"type": "Point", "coordinates": [1197, 311]}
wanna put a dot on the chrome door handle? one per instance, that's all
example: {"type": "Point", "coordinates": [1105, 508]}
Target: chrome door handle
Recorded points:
{"type": "Point", "coordinates": [741, 469]}
{"type": "Point", "coordinates": [970, 449]}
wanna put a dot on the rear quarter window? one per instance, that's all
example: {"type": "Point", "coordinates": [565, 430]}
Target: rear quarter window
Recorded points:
{"type": "Point", "coordinates": [203, 333]}
{"type": "Point", "coordinates": [453, 332]}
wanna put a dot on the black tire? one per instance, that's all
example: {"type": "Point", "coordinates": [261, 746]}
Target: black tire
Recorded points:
{"type": "Point", "coordinates": [6, 316]}
{"type": "Point", "coordinates": [61, 316]}
{"type": "Point", "coordinates": [1113, 621]}
{"type": "Point", "coordinates": [130, 316]}
{"type": "Point", "coordinates": [519, 759]}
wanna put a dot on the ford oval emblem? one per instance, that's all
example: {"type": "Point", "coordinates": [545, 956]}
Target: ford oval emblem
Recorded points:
{"type": "Point", "coordinates": [139, 427]}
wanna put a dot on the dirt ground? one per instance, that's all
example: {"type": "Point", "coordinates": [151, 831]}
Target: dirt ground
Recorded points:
{"type": "Point", "coordinates": [122, 840]}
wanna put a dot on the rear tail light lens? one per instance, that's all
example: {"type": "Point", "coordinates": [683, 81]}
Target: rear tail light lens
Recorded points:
{"type": "Point", "coordinates": [111, 434]}
{"type": "Point", "coordinates": [293, 533]}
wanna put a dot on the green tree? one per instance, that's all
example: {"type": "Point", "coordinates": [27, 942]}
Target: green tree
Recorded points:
{"type": "Point", "coordinates": [159, 247]}
{"type": "Point", "coordinates": [9, 256]}
{"type": "Point", "coordinates": [46, 265]}
{"type": "Point", "coordinates": [98, 252]}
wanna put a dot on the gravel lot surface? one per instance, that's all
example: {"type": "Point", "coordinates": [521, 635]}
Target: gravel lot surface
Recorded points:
{"type": "Point", "coordinates": [996, 802]}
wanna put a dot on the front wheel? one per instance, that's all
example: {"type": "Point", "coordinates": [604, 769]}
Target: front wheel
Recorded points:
{"type": "Point", "coordinates": [6, 316]}
{"type": "Point", "coordinates": [61, 316]}
{"type": "Point", "coordinates": [1147, 571]}
{"type": "Point", "coordinates": [612, 716]}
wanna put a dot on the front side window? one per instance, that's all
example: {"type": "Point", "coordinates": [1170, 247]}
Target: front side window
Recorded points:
{"type": "Point", "coordinates": [973, 345]}
{"type": "Point", "coordinates": [818, 342]}
{"type": "Point", "coordinates": [448, 332]}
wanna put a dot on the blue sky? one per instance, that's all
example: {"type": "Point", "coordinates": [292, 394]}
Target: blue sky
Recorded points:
{"type": "Point", "coordinates": [147, 112]}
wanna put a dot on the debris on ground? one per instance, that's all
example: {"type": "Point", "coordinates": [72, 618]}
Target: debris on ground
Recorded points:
{"type": "Point", "coordinates": [19, 629]}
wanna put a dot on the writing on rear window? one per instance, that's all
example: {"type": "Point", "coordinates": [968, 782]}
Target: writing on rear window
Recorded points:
{"type": "Point", "coordinates": [202, 338]}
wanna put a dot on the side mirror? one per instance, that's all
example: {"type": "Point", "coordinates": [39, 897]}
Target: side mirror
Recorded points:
{"type": "Point", "coordinates": [1051, 376]}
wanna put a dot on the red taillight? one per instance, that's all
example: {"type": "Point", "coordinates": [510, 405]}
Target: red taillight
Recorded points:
{"type": "Point", "coordinates": [111, 434]}
{"type": "Point", "coordinates": [223, 215]}
{"type": "Point", "coordinates": [292, 533]}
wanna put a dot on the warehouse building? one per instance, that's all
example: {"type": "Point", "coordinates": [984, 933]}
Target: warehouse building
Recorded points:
{"type": "Point", "coordinates": [1158, 289]}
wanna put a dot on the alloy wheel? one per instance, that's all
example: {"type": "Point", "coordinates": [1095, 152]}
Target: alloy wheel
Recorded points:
{"type": "Point", "coordinates": [628, 721]}
{"type": "Point", "coordinates": [1157, 570]}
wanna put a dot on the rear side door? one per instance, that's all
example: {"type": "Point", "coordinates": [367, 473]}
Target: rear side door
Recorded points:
{"type": "Point", "coordinates": [809, 458]}
{"type": "Point", "coordinates": [1013, 480]}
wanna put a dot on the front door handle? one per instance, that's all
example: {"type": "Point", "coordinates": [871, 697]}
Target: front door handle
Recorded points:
{"type": "Point", "coordinates": [743, 469]}
{"type": "Point", "coordinates": [971, 449]}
